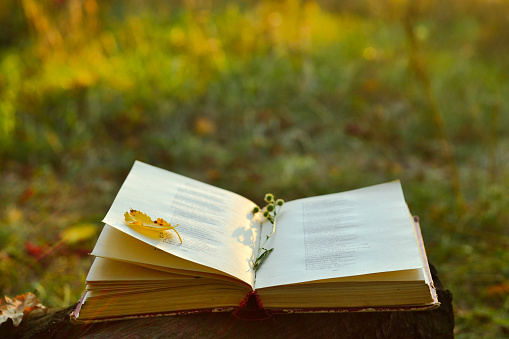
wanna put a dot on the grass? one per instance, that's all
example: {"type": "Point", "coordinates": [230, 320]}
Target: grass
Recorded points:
{"type": "Point", "coordinates": [294, 98]}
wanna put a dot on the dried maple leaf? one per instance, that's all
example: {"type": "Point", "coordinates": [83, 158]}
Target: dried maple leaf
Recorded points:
{"type": "Point", "coordinates": [19, 307]}
{"type": "Point", "coordinates": [137, 218]}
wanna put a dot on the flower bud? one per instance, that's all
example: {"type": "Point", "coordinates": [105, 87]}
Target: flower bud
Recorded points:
{"type": "Point", "coordinates": [270, 207]}
{"type": "Point", "coordinates": [266, 214]}
{"type": "Point", "coordinates": [269, 197]}
{"type": "Point", "coordinates": [256, 209]}
{"type": "Point", "coordinates": [280, 202]}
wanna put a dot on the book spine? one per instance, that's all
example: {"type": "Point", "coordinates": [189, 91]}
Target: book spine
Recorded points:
{"type": "Point", "coordinates": [432, 287]}
{"type": "Point", "coordinates": [258, 300]}
{"type": "Point", "coordinates": [76, 312]}
{"type": "Point", "coordinates": [244, 302]}
{"type": "Point", "coordinates": [251, 308]}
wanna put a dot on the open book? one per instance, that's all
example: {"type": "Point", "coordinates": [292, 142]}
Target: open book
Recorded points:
{"type": "Point", "coordinates": [357, 250]}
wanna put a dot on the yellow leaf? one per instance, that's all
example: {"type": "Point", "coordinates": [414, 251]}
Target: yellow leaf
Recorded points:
{"type": "Point", "coordinates": [79, 233]}
{"type": "Point", "coordinates": [137, 218]}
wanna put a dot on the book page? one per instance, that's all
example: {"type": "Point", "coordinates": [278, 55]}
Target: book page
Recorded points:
{"type": "Point", "coordinates": [121, 247]}
{"type": "Point", "coordinates": [364, 231]}
{"type": "Point", "coordinates": [216, 226]}
{"type": "Point", "coordinates": [112, 270]}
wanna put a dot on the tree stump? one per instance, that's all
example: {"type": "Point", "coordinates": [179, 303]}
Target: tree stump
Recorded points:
{"type": "Point", "coordinates": [437, 323]}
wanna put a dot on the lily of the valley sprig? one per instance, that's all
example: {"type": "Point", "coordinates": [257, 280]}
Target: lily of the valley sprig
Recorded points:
{"type": "Point", "coordinates": [269, 212]}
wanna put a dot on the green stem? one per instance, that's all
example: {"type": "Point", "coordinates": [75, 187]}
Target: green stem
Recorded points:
{"type": "Point", "coordinates": [261, 255]}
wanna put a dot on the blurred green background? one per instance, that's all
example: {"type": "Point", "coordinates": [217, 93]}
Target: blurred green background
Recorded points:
{"type": "Point", "coordinates": [297, 98]}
